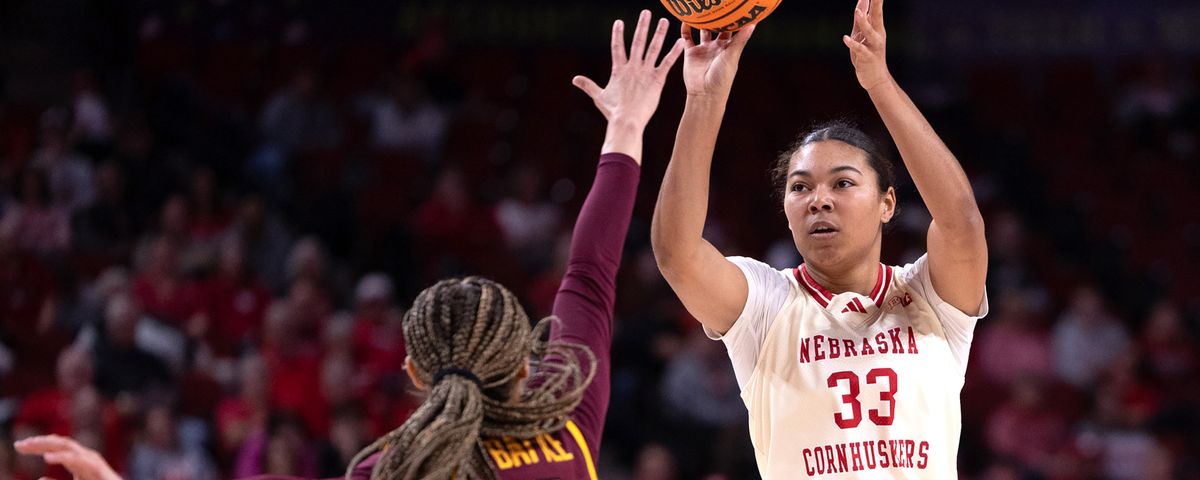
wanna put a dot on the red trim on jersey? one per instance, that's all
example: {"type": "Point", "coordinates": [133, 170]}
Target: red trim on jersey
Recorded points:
{"type": "Point", "coordinates": [859, 306]}
{"type": "Point", "coordinates": [883, 280]}
{"type": "Point", "coordinates": [815, 289]}
{"type": "Point", "coordinates": [881, 289]}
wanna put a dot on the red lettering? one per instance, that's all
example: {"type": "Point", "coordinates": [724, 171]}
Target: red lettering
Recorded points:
{"type": "Point", "coordinates": [912, 342]}
{"type": "Point", "coordinates": [923, 452]}
{"type": "Point", "coordinates": [869, 452]}
{"type": "Point", "coordinates": [850, 398]}
{"type": "Point", "coordinates": [841, 456]}
{"type": "Point", "coordinates": [817, 340]}
{"type": "Point", "coordinates": [808, 468]}
{"type": "Point", "coordinates": [831, 467]}
{"type": "Point", "coordinates": [835, 348]}
{"type": "Point", "coordinates": [876, 415]}
{"type": "Point", "coordinates": [881, 340]}
{"type": "Point", "coordinates": [856, 456]}
{"type": "Point", "coordinates": [804, 350]}
{"type": "Point", "coordinates": [897, 347]}
{"type": "Point", "coordinates": [909, 446]}
{"type": "Point", "coordinates": [892, 453]}
{"type": "Point", "coordinates": [883, 454]}
{"type": "Point", "coordinates": [867, 349]}
{"type": "Point", "coordinates": [849, 348]}
{"type": "Point", "coordinates": [820, 457]}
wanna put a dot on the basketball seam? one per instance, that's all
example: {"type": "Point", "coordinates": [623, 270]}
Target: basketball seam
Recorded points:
{"type": "Point", "coordinates": [730, 12]}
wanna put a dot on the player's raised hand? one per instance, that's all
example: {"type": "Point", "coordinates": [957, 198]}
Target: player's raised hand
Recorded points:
{"type": "Point", "coordinates": [84, 463]}
{"type": "Point", "coordinates": [868, 44]}
{"type": "Point", "coordinates": [635, 85]}
{"type": "Point", "coordinates": [709, 66]}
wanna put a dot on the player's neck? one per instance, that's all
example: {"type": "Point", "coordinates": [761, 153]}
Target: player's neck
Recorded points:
{"type": "Point", "coordinates": [859, 277]}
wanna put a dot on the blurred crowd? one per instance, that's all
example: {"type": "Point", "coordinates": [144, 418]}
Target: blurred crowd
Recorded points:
{"type": "Point", "coordinates": [206, 249]}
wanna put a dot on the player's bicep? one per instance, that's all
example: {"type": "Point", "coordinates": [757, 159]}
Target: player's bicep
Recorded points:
{"type": "Point", "coordinates": [958, 266]}
{"type": "Point", "coordinates": [712, 288]}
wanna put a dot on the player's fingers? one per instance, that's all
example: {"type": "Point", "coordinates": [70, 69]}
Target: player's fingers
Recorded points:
{"type": "Point", "coordinates": [705, 36]}
{"type": "Point", "coordinates": [656, 43]}
{"type": "Point", "coordinates": [637, 49]}
{"type": "Point", "coordinates": [685, 33]}
{"type": "Point", "coordinates": [743, 36]}
{"type": "Point", "coordinates": [45, 444]}
{"type": "Point", "coordinates": [671, 57]}
{"type": "Point", "coordinates": [856, 47]}
{"type": "Point", "coordinates": [587, 85]}
{"type": "Point", "coordinates": [618, 43]}
{"type": "Point", "coordinates": [870, 35]}
{"type": "Point", "coordinates": [876, 11]}
{"type": "Point", "coordinates": [71, 460]}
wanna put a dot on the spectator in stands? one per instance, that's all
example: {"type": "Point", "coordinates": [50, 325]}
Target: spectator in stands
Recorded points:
{"type": "Point", "coordinates": [1013, 344]}
{"type": "Point", "coordinates": [1170, 349]}
{"type": "Point", "coordinates": [283, 448]}
{"type": "Point", "coordinates": [406, 118]}
{"type": "Point", "coordinates": [378, 337]}
{"type": "Point", "coordinates": [702, 397]}
{"type": "Point", "coordinates": [160, 454]}
{"type": "Point", "coordinates": [235, 302]}
{"type": "Point", "coordinates": [92, 130]}
{"type": "Point", "coordinates": [109, 227]}
{"type": "Point", "coordinates": [1087, 339]}
{"type": "Point", "coordinates": [69, 174]}
{"type": "Point", "coordinates": [42, 411]}
{"type": "Point", "coordinates": [294, 367]}
{"type": "Point", "coordinates": [124, 370]}
{"type": "Point", "coordinates": [1028, 429]}
{"type": "Point", "coordinates": [238, 416]}
{"type": "Point", "coordinates": [161, 289]}
{"type": "Point", "coordinates": [265, 240]}
{"type": "Point", "coordinates": [528, 220]}
{"type": "Point", "coordinates": [34, 223]}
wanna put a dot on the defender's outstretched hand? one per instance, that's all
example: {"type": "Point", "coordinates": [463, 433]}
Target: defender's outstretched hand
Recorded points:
{"type": "Point", "coordinates": [635, 85]}
{"type": "Point", "coordinates": [84, 463]}
{"type": "Point", "coordinates": [868, 45]}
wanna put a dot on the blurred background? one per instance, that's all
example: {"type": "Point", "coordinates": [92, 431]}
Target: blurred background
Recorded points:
{"type": "Point", "coordinates": [213, 214]}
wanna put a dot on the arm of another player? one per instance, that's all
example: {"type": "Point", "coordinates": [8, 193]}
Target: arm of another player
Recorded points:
{"type": "Point", "coordinates": [83, 463]}
{"type": "Point", "coordinates": [957, 248]}
{"type": "Point", "coordinates": [585, 299]}
{"type": "Point", "coordinates": [712, 288]}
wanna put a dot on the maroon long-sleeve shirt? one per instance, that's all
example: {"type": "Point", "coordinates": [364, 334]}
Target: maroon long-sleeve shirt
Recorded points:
{"type": "Point", "coordinates": [584, 304]}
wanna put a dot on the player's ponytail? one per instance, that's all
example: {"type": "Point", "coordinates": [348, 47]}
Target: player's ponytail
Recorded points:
{"type": "Point", "coordinates": [469, 340]}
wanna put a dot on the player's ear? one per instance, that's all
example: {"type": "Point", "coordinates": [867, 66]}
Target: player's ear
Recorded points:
{"type": "Point", "coordinates": [889, 205]}
{"type": "Point", "coordinates": [411, 369]}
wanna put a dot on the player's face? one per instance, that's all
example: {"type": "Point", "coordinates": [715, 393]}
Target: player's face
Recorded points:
{"type": "Point", "coordinates": [833, 205]}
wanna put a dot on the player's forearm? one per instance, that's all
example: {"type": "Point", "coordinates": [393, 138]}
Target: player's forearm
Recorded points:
{"type": "Point", "coordinates": [937, 174]}
{"type": "Point", "coordinates": [679, 215]}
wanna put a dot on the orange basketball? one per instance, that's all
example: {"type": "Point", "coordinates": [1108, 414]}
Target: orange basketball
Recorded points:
{"type": "Point", "coordinates": [721, 15]}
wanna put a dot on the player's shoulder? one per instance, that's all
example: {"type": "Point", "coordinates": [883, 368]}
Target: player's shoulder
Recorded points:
{"type": "Point", "coordinates": [757, 269]}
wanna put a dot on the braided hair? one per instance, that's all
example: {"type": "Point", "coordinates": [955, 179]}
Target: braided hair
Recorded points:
{"type": "Point", "coordinates": [469, 339]}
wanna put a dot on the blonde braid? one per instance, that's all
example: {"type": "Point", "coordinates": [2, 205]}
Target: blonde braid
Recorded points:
{"type": "Point", "coordinates": [476, 325]}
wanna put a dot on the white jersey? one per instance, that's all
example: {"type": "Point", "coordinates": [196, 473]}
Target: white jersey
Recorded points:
{"type": "Point", "coordinates": [844, 386]}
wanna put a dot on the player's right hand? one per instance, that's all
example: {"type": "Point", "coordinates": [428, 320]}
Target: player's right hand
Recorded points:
{"type": "Point", "coordinates": [84, 463]}
{"type": "Point", "coordinates": [709, 67]}
{"type": "Point", "coordinates": [635, 85]}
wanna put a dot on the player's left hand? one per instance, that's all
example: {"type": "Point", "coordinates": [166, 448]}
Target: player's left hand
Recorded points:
{"type": "Point", "coordinates": [635, 85]}
{"type": "Point", "coordinates": [868, 45]}
{"type": "Point", "coordinates": [84, 463]}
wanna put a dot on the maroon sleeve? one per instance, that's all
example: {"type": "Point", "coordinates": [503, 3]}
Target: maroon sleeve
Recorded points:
{"type": "Point", "coordinates": [584, 303]}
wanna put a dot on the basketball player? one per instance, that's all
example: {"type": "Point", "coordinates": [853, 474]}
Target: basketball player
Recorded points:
{"type": "Point", "coordinates": [469, 341]}
{"type": "Point", "coordinates": [849, 368]}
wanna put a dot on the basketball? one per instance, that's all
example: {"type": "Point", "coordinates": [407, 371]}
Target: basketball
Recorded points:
{"type": "Point", "coordinates": [721, 15]}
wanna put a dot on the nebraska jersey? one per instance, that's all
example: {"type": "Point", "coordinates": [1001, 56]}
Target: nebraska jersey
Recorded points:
{"type": "Point", "coordinates": [846, 385]}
